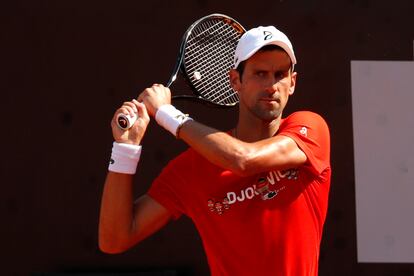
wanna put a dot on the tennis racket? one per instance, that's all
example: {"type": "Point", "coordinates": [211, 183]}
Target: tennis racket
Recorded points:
{"type": "Point", "coordinates": [204, 60]}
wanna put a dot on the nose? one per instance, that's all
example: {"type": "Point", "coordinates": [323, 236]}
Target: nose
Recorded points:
{"type": "Point", "coordinates": [272, 85]}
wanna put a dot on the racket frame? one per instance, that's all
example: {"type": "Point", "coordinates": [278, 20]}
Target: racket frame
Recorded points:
{"type": "Point", "coordinates": [180, 66]}
{"type": "Point", "coordinates": [126, 121]}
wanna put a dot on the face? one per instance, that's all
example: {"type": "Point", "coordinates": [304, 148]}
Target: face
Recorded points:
{"type": "Point", "coordinates": [266, 84]}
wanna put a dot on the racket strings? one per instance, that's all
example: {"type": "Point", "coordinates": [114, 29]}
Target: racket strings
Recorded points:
{"type": "Point", "coordinates": [217, 54]}
{"type": "Point", "coordinates": [208, 57]}
{"type": "Point", "coordinates": [196, 54]}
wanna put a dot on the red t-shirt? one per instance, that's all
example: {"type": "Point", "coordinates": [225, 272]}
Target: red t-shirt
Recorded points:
{"type": "Point", "coordinates": [242, 233]}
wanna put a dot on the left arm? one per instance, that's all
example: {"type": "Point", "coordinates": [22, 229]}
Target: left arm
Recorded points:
{"type": "Point", "coordinates": [275, 153]}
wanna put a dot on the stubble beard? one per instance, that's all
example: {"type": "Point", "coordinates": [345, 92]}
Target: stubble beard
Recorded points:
{"type": "Point", "coordinates": [266, 115]}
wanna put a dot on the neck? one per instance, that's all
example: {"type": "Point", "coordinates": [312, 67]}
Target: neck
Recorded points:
{"type": "Point", "coordinates": [255, 131]}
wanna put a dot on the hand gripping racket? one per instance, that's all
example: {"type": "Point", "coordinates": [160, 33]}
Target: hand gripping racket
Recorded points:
{"type": "Point", "coordinates": [204, 60]}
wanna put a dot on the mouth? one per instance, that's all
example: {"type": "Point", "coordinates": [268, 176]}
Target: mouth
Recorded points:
{"type": "Point", "coordinates": [271, 100]}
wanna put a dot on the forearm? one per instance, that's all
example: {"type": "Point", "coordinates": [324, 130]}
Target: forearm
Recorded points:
{"type": "Point", "coordinates": [116, 216]}
{"type": "Point", "coordinates": [125, 221]}
{"type": "Point", "coordinates": [243, 158]}
{"type": "Point", "coordinates": [218, 147]}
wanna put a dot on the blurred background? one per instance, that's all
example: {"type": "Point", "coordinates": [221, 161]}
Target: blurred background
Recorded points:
{"type": "Point", "coordinates": [66, 67]}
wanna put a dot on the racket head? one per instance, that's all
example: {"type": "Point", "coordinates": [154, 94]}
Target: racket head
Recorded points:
{"type": "Point", "coordinates": [206, 57]}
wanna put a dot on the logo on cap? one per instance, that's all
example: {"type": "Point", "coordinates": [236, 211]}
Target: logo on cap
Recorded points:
{"type": "Point", "coordinates": [267, 35]}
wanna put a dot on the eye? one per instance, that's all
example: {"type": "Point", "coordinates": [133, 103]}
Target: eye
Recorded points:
{"type": "Point", "coordinates": [261, 73]}
{"type": "Point", "coordinates": [281, 74]}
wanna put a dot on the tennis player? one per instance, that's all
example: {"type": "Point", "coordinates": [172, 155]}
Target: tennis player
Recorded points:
{"type": "Point", "coordinates": [258, 194]}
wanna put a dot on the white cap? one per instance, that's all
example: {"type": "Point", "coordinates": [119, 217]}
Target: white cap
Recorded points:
{"type": "Point", "coordinates": [254, 39]}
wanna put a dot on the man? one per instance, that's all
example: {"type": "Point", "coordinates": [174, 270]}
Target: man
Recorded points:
{"type": "Point", "coordinates": [257, 194]}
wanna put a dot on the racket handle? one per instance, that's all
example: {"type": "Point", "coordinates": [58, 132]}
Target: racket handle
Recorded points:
{"type": "Point", "coordinates": [125, 121]}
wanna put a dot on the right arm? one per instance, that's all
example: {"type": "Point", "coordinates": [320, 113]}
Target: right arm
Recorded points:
{"type": "Point", "coordinates": [123, 222]}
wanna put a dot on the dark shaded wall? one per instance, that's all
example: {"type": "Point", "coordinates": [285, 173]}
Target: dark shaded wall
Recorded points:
{"type": "Point", "coordinates": [67, 65]}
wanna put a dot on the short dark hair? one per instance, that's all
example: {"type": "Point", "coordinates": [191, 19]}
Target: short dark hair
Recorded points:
{"type": "Point", "coordinates": [271, 47]}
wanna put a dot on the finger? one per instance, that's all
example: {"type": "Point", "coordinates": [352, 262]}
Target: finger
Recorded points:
{"type": "Point", "coordinates": [142, 95]}
{"type": "Point", "coordinates": [127, 110]}
{"type": "Point", "coordinates": [136, 103]}
{"type": "Point", "coordinates": [142, 111]}
{"type": "Point", "coordinates": [147, 93]}
{"type": "Point", "coordinates": [130, 105]}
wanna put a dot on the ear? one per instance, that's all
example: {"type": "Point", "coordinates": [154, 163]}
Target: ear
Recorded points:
{"type": "Point", "coordinates": [235, 79]}
{"type": "Point", "coordinates": [292, 83]}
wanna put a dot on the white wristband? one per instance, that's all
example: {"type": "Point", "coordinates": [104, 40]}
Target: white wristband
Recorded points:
{"type": "Point", "coordinates": [171, 118]}
{"type": "Point", "coordinates": [124, 158]}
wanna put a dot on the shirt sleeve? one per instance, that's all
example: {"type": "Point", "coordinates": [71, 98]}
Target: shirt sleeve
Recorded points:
{"type": "Point", "coordinates": [167, 188]}
{"type": "Point", "coordinates": [311, 134]}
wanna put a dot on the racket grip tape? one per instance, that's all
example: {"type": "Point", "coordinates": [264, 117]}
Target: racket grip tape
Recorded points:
{"type": "Point", "coordinates": [125, 121]}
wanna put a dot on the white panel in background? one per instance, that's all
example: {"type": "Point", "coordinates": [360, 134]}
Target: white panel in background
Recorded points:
{"type": "Point", "coordinates": [383, 128]}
